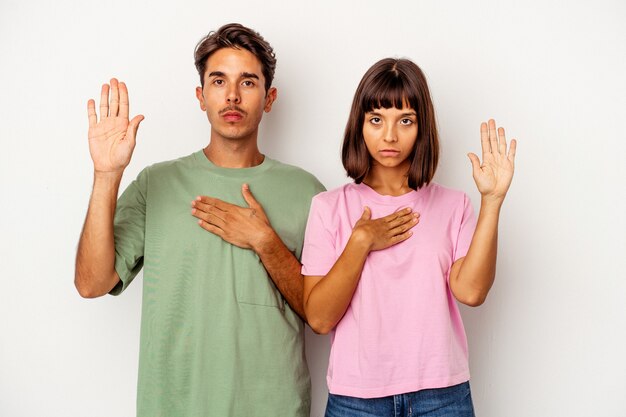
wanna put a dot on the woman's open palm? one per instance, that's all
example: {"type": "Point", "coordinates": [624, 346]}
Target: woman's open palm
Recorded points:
{"type": "Point", "coordinates": [494, 175]}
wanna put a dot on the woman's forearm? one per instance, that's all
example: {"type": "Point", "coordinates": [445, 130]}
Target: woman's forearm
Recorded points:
{"type": "Point", "coordinates": [471, 277]}
{"type": "Point", "coordinates": [328, 297]}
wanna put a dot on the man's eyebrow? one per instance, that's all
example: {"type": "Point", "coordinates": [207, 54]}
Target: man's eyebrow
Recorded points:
{"type": "Point", "coordinates": [249, 75]}
{"type": "Point", "coordinates": [242, 75]}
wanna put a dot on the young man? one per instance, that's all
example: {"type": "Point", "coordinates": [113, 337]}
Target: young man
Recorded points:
{"type": "Point", "coordinates": [222, 293]}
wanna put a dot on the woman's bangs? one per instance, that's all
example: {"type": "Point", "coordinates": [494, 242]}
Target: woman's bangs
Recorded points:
{"type": "Point", "coordinates": [388, 92]}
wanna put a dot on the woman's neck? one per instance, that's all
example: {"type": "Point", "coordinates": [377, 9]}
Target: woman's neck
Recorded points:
{"type": "Point", "coordinates": [392, 181]}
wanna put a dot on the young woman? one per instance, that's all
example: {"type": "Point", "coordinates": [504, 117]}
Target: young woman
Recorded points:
{"type": "Point", "coordinates": [386, 257]}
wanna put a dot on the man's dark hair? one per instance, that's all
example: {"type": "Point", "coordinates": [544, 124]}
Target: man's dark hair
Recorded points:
{"type": "Point", "coordinates": [392, 83]}
{"type": "Point", "coordinates": [235, 35]}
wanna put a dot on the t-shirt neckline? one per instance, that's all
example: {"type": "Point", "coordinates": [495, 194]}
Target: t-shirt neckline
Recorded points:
{"type": "Point", "coordinates": [369, 193]}
{"type": "Point", "coordinates": [205, 163]}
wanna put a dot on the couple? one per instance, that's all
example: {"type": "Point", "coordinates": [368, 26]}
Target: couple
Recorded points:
{"type": "Point", "coordinates": [220, 233]}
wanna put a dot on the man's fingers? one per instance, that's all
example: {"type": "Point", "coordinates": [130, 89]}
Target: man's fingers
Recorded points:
{"type": "Point", "coordinates": [104, 101]}
{"type": "Point", "coordinates": [208, 217]}
{"type": "Point", "coordinates": [133, 126]}
{"type": "Point", "coordinates": [222, 205]}
{"type": "Point", "coordinates": [247, 195]}
{"type": "Point", "coordinates": [91, 113]}
{"type": "Point", "coordinates": [211, 228]}
{"type": "Point", "coordinates": [208, 209]}
{"type": "Point", "coordinates": [124, 104]}
{"type": "Point", "coordinates": [115, 98]}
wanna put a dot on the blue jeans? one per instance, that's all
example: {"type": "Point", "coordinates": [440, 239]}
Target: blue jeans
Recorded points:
{"type": "Point", "coordinates": [455, 401]}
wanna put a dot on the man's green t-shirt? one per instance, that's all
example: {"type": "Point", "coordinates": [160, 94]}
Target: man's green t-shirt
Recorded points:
{"type": "Point", "coordinates": [217, 337]}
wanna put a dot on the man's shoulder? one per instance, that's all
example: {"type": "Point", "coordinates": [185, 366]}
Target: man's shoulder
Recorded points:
{"type": "Point", "coordinates": [296, 174]}
{"type": "Point", "coordinates": [164, 167]}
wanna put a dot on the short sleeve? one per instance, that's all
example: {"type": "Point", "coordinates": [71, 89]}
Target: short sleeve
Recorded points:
{"type": "Point", "coordinates": [129, 232]}
{"type": "Point", "coordinates": [318, 252]}
{"type": "Point", "coordinates": [466, 229]}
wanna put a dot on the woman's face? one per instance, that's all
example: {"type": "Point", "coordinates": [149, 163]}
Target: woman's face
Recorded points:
{"type": "Point", "coordinates": [390, 135]}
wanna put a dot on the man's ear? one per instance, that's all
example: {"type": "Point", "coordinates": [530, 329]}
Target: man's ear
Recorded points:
{"type": "Point", "coordinates": [200, 98]}
{"type": "Point", "coordinates": [270, 97]}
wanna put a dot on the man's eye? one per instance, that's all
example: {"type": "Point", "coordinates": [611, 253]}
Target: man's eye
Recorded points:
{"type": "Point", "coordinates": [248, 83]}
{"type": "Point", "coordinates": [218, 82]}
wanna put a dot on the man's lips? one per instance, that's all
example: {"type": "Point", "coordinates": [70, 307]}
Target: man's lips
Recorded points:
{"type": "Point", "coordinates": [232, 116]}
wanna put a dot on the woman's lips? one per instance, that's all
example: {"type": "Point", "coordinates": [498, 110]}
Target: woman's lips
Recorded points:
{"type": "Point", "coordinates": [389, 152]}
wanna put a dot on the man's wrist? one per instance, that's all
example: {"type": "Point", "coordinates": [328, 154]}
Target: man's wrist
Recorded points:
{"type": "Point", "coordinates": [108, 176]}
{"type": "Point", "coordinates": [267, 243]}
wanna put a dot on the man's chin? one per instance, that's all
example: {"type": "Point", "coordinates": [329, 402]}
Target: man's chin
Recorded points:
{"type": "Point", "coordinates": [235, 134]}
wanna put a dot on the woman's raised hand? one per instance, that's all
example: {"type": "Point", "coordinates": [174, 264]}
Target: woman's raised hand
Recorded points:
{"type": "Point", "coordinates": [494, 175]}
{"type": "Point", "coordinates": [112, 138]}
{"type": "Point", "coordinates": [386, 231]}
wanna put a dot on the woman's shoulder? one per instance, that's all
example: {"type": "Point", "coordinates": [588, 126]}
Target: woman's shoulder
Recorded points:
{"type": "Point", "coordinates": [334, 196]}
{"type": "Point", "coordinates": [444, 194]}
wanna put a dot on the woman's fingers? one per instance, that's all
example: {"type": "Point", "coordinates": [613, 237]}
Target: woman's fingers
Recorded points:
{"type": "Point", "coordinates": [402, 228]}
{"type": "Point", "coordinates": [493, 136]}
{"type": "Point", "coordinates": [475, 163]}
{"type": "Point", "coordinates": [501, 141]}
{"type": "Point", "coordinates": [484, 139]}
{"type": "Point", "coordinates": [402, 219]}
{"type": "Point", "coordinates": [512, 148]}
{"type": "Point", "coordinates": [396, 215]}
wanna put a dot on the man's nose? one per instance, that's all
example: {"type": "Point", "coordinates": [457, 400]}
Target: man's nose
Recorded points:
{"type": "Point", "coordinates": [233, 96]}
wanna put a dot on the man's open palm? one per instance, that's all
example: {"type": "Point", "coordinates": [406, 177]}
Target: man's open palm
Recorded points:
{"type": "Point", "coordinates": [112, 138]}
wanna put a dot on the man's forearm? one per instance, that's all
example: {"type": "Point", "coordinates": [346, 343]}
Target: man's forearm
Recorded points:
{"type": "Point", "coordinates": [284, 269]}
{"type": "Point", "coordinates": [95, 259]}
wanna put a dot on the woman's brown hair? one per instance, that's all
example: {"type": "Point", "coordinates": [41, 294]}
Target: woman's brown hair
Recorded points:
{"type": "Point", "coordinates": [393, 83]}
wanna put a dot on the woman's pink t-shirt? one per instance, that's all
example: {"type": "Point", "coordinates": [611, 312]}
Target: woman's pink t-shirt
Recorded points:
{"type": "Point", "coordinates": [402, 331]}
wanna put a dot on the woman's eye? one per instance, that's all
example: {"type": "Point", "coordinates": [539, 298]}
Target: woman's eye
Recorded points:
{"type": "Point", "coordinates": [375, 120]}
{"type": "Point", "coordinates": [406, 122]}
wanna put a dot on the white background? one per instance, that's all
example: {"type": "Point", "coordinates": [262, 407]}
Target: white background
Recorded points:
{"type": "Point", "coordinates": [551, 338]}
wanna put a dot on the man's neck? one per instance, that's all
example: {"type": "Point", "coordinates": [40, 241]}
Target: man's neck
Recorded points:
{"type": "Point", "coordinates": [233, 153]}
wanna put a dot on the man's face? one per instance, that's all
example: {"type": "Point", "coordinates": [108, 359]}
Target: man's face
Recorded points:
{"type": "Point", "coordinates": [233, 95]}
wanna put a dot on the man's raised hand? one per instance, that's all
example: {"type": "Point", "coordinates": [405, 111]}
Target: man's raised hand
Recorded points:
{"type": "Point", "coordinates": [112, 138]}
